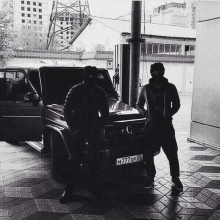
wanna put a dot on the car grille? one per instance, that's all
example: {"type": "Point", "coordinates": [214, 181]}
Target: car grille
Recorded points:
{"type": "Point", "coordinates": [123, 130]}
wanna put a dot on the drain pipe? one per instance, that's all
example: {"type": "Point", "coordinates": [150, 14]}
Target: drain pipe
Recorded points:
{"type": "Point", "coordinates": [135, 42]}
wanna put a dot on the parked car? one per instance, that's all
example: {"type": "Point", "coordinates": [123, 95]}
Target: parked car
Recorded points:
{"type": "Point", "coordinates": [31, 110]}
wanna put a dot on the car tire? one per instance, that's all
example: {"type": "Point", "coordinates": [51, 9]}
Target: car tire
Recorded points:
{"type": "Point", "coordinates": [59, 158]}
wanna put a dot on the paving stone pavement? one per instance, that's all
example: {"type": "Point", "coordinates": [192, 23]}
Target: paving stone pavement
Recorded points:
{"type": "Point", "coordinates": [27, 190]}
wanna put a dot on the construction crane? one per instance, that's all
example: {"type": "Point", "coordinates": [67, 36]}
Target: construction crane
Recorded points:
{"type": "Point", "coordinates": [65, 19]}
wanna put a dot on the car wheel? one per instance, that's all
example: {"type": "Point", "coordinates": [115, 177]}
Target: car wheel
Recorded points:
{"type": "Point", "coordinates": [59, 158]}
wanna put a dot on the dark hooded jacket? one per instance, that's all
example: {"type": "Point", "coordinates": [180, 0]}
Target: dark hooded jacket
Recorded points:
{"type": "Point", "coordinates": [156, 132]}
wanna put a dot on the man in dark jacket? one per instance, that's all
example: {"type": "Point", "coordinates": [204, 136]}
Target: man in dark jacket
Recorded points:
{"type": "Point", "coordinates": [85, 110]}
{"type": "Point", "coordinates": [162, 102]}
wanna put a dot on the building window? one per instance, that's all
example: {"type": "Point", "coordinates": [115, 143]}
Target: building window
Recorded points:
{"type": "Point", "coordinates": [35, 15]}
{"type": "Point", "coordinates": [23, 21]}
{"type": "Point", "coordinates": [67, 37]}
{"type": "Point", "coordinates": [143, 47]}
{"type": "Point", "coordinates": [192, 50]}
{"type": "Point", "coordinates": [149, 49]}
{"type": "Point", "coordinates": [178, 49]}
{"type": "Point", "coordinates": [35, 22]}
{"type": "Point", "coordinates": [34, 9]}
{"type": "Point", "coordinates": [167, 49]}
{"type": "Point", "coordinates": [155, 48]}
{"type": "Point", "coordinates": [29, 15]}
{"type": "Point", "coordinates": [34, 3]}
{"type": "Point", "coordinates": [40, 4]}
{"type": "Point", "coordinates": [28, 9]}
{"type": "Point", "coordinates": [22, 8]}
{"type": "Point", "coordinates": [173, 50]}
{"type": "Point", "coordinates": [67, 23]}
{"type": "Point", "coordinates": [162, 48]}
{"type": "Point", "coordinates": [40, 10]}
{"type": "Point", "coordinates": [28, 2]}
{"type": "Point", "coordinates": [40, 16]}
{"type": "Point", "coordinates": [189, 50]}
{"type": "Point", "coordinates": [61, 22]}
{"type": "Point", "coordinates": [29, 21]}
{"type": "Point", "coordinates": [41, 22]}
{"type": "Point", "coordinates": [23, 14]}
{"type": "Point", "coordinates": [22, 2]}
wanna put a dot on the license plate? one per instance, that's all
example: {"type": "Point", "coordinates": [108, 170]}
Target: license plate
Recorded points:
{"type": "Point", "coordinates": [129, 159]}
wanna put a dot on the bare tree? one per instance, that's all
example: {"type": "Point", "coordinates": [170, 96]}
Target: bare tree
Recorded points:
{"type": "Point", "coordinates": [33, 38]}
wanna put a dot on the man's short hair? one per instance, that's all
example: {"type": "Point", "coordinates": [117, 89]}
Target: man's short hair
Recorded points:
{"type": "Point", "coordinates": [157, 67]}
{"type": "Point", "coordinates": [90, 70]}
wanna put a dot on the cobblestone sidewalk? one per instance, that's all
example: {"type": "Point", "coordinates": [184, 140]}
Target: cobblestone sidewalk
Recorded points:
{"type": "Point", "coordinates": [27, 190]}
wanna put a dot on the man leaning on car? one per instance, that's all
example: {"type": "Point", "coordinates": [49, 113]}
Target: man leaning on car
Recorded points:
{"type": "Point", "coordinates": [85, 110]}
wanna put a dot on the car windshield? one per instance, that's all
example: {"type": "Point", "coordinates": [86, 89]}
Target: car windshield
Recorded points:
{"type": "Point", "coordinates": [56, 82]}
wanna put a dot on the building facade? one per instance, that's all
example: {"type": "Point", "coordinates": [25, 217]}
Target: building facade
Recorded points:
{"type": "Point", "coordinates": [172, 14]}
{"type": "Point", "coordinates": [172, 45]}
{"type": "Point", "coordinates": [31, 13]}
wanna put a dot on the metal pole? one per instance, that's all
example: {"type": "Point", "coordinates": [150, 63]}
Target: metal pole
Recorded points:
{"type": "Point", "coordinates": [135, 52]}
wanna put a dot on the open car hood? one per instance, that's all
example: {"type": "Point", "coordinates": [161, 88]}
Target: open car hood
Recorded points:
{"type": "Point", "coordinates": [57, 81]}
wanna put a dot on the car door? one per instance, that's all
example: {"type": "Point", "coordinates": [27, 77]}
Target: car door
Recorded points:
{"type": "Point", "coordinates": [20, 118]}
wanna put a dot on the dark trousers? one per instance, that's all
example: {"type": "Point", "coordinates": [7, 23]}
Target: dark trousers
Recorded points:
{"type": "Point", "coordinates": [173, 162]}
{"type": "Point", "coordinates": [162, 135]}
{"type": "Point", "coordinates": [86, 142]}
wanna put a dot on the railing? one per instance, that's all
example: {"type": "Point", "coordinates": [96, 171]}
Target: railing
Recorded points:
{"type": "Point", "coordinates": [104, 55]}
{"type": "Point", "coordinates": [48, 54]}
{"type": "Point", "coordinates": [168, 58]}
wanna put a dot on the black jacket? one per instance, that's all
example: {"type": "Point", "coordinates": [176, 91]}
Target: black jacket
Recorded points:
{"type": "Point", "coordinates": [158, 132]}
{"type": "Point", "coordinates": [171, 100]}
{"type": "Point", "coordinates": [84, 108]}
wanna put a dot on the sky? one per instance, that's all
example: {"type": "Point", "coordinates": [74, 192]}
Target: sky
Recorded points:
{"type": "Point", "coordinates": [115, 8]}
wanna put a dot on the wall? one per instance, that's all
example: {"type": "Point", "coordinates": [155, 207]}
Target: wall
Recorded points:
{"type": "Point", "coordinates": [180, 74]}
{"type": "Point", "coordinates": [205, 121]}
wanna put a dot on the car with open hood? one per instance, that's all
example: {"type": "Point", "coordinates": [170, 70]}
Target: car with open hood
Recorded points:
{"type": "Point", "coordinates": [31, 110]}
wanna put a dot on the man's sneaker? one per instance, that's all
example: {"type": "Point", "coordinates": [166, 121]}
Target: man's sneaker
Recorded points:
{"type": "Point", "coordinates": [177, 184]}
{"type": "Point", "coordinates": [149, 183]}
{"type": "Point", "coordinates": [66, 197]}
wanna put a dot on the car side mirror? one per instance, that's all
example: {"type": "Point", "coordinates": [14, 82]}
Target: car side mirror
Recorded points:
{"type": "Point", "coordinates": [31, 97]}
